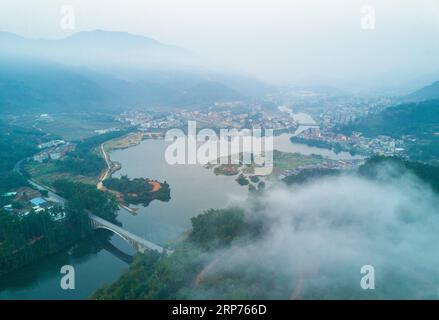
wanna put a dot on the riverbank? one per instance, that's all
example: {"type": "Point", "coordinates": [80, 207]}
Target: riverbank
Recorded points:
{"type": "Point", "coordinates": [333, 146]}
{"type": "Point", "coordinates": [137, 191]}
{"type": "Point", "coordinates": [194, 190]}
{"type": "Point", "coordinates": [122, 143]}
{"type": "Point", "coordinates": [36, 235]}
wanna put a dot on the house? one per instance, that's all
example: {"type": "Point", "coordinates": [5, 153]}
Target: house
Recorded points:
{"type": "Point", "coordinates": [56, 155]}
{"type": "Point", "coordinates": [8, 207]}
{"type": "Point", "coordinates": [50, 144]}
{"type": "Point", "coordinates": [38, 209]}
{"type": "Point", "coordinates": [58, 216]}
{"type": "Point", "coordinates": [37, 201]}
{"type": "Point", "coordinates": [9, 194]}
{"type": "Point", "coordinates": [45, 117]}
{"type": "Point", "coordinates": [57, 150]}
{"type": "Point", "coordinates": [60, 151]}
{"type": "Point", "coordinates": [40, 157]}
{"type": "Point", "coordinates": [26, 193]}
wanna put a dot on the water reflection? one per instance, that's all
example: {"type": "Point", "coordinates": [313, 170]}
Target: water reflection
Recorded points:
{"type": "Point", "coordinates": [94, 261]}
{"type": "Point", "coordinates": [194, 189]}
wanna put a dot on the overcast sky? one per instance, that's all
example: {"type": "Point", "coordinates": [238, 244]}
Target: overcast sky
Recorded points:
{"type": "Point", "coordinates": [274, 39]}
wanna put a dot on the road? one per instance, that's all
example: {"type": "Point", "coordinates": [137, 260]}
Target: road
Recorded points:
{"type": "Point", "coordinates": [51, 195]}
{"type": "Point", "coordinates": [103, 177]}
{"type": "Point", "coordinates": [116, 229]}
{"type": "Point", "coordinates": [107, 171]}
{"type": "Point", "coordinates": [137, 242]}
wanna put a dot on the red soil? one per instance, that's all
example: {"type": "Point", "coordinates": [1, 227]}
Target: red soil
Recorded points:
{"type": "Point", "coordinates": [155, 185]}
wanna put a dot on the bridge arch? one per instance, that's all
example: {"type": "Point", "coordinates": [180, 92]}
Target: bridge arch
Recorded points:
{"type": "Point", "coordinates": [99, 226]}
{"type": "Point", "coordinates": [138, 243]}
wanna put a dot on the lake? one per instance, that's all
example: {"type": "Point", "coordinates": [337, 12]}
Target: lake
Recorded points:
{"type": "Point", "coordinates": [194, 189]}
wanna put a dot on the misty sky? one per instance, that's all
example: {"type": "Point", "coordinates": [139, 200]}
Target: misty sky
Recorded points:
{"type": "Point", "coordinates": [276, 39]}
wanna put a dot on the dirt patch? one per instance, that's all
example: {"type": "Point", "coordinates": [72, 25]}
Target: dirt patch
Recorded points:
{"type": "Point", "coordinates": [156, 186]}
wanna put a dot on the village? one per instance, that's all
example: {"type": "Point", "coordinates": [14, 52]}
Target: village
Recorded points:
{"type": "Point", "coordinates": [25, 200]}
{"type": "Point", "coordinates": [54, 150]}
{"type": "Point", "coordinates": [355, 143]}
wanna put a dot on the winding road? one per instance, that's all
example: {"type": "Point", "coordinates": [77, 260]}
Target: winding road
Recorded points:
{"type": "Point", "coordinates": [106, 174]}
{"type": "Point", "coordinates": [137, 242]}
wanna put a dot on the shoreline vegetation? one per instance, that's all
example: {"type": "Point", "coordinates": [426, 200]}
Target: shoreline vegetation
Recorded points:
{"type": "Point", "coordinates": [129, 192]}
{"type": "Point", "coordinates": [245, 174]}
{"type": "Point", "coordinates": [187, 272]}
{"type": "Point", "coordinates": [200, 266]}
{"type": "Point", "coordinates": [335, 147]}
{"type": "Point", "coordinates": [25, 239]}
{"type": "Point", "coordinates": [137, 191]}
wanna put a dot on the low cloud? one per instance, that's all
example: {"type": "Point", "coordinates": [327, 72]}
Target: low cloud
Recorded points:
{"type": "Point", "coordinates": [320, 235]}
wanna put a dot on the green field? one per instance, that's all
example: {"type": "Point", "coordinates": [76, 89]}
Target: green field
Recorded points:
{"type": "Point", "coordinates": [77, 126]}
{"type": "Point", "coordinates": [285, 161]}
{"type": "Point", "coordinates": [281, 161]}
{"type": "Point", "coordinates": [47, 173]}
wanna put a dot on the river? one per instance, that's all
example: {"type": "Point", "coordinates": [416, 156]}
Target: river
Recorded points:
{"type": "Point", "coordinates": [193, 190]}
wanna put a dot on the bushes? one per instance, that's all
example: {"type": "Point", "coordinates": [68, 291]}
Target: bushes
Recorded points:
{"type": "Point", "coordinates": [138, 190]}
{"type": "Point", "coordinates": [36, 235]}
{"type": "Point", "coordinates": [86, 197]}
{"type": "Point", "coordinates": [217, 228]}
{"type": "Point", "coordinates": [155, 276]}
{"type": "Point", "coordinates": [427, 173]}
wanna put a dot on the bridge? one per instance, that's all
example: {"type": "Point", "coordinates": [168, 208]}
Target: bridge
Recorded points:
{"type": "Point", "coordinates": [139, 244]}
{"type": "Point", "coordinates": [304, 126]}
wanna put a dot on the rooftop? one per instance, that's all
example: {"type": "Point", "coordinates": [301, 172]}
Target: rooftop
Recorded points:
{"type": "Point", "coordinates": [37, 201]}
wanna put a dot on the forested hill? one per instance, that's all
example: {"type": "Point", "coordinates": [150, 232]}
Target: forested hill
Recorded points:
{"type": "Point", "coordinates": [430, 92]}
{"type": "Point", "coordinates": [119, 70]}
{"type": "Point", "coordinates": [42, 86]}
{"type": "Point", "coordinates": [426, 173]}
{"type": "Point", "coordinates": [16, 143]}
{"type": "Point", "coordinates": [203, 265]}
{"type": "Point", "coordinates": [420, 118]}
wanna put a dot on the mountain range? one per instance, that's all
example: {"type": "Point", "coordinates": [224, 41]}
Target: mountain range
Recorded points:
{"type": "Point", "coordinates": [416, 114]}
{"type": "Point", "coordinates": [416, 118]}
{"type": "Point", "coordinates": [103, 70]}
{"type": "Point", "coordinates": [430, 92]}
